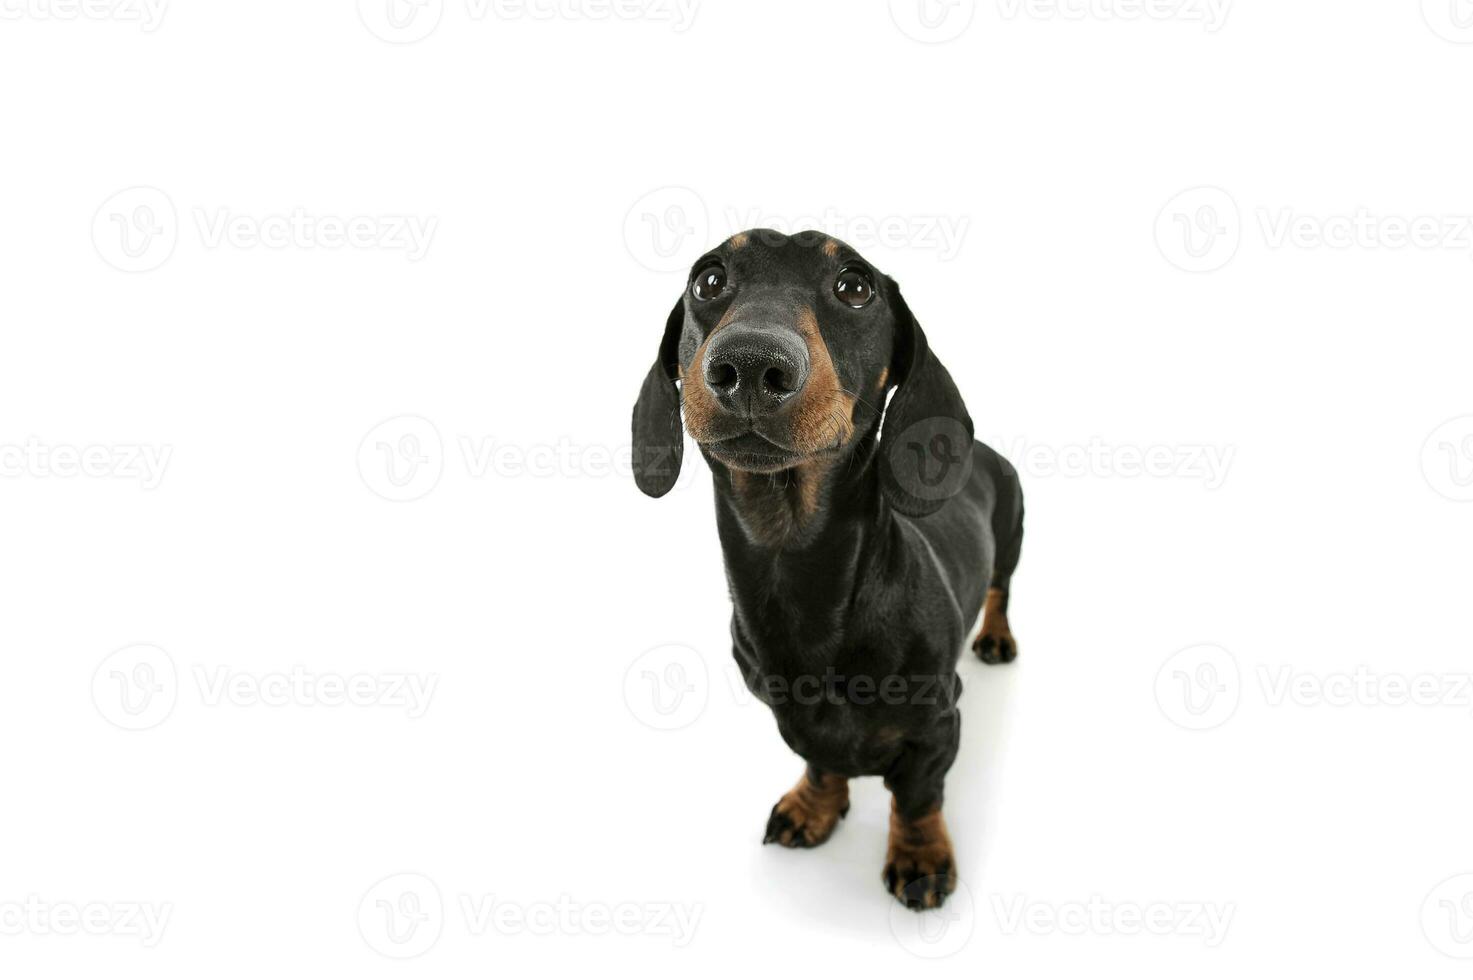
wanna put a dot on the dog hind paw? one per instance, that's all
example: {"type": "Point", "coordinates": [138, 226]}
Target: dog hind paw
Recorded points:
{"type": "Point", "coordinates": [995, 648]}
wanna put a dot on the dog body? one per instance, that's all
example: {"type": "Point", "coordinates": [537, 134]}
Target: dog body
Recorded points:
{"type": "Point", "coordinates": [857, 558]}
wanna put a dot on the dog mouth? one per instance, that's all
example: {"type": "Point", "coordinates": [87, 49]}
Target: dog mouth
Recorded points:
{"type": "Point", "coordinates": [752, 451]}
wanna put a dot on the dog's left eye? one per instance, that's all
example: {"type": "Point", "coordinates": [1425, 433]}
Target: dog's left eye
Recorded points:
{"type": "Point", "coordinates": [854, 287]}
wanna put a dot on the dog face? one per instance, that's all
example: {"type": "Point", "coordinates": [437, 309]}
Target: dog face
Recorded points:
{"type": "Point", "coordinates": [784, 348]}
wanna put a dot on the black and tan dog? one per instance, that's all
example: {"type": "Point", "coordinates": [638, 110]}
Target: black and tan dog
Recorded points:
{"type": "Point", "coordinates": [858, 553]}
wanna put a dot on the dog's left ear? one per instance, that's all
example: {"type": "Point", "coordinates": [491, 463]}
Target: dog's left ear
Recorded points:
{"type": "Point", "coordinates": [926, 439]}
{"type": "Point", "coordinates": [659, 441]}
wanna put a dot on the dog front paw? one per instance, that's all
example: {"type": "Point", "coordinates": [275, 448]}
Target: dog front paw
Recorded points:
{"type": "Point", "coordinates": [808, 813]}
{"type": "Point", "coordinates": [920, 869]}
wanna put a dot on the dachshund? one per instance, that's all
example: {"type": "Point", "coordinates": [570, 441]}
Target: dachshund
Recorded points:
{"type": "Point", "coordinates": [861, 537]}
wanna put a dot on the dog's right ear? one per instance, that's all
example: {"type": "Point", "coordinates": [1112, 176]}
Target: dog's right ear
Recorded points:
{"type": "Point", "coordinates": [659, 441]}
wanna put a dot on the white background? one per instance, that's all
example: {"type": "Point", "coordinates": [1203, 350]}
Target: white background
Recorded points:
{"type": "Point", "coordinates": [1154, 264]}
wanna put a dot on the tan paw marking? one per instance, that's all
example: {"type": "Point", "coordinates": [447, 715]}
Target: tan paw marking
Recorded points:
{"type": "Point", "coordinates": [995, 644]}
{"type": "Point", "coordinates": [807, 815]}
{"type": "Point", "coordinates": [920, 869]}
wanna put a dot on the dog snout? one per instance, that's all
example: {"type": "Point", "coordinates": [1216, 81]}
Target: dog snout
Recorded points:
{"type": "Point", "coordinates": [755, 371]}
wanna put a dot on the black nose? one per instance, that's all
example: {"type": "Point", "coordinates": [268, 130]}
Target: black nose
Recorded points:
{"type": "Point", "coordinates": [754, 370]}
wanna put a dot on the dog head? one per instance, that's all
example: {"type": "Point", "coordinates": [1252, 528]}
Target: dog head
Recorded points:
{"type": "Point", "coordinates": [782, 350]}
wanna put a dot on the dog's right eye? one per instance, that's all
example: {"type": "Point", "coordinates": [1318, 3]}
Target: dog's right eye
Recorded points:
{"type": "Point", "coordinates": [709, 283]}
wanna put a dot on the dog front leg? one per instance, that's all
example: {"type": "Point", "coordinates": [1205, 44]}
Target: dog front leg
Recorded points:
{"type": "Point", "coordinates": [920, 868]}
{"type": "Point", "coordinates": [808, 813]}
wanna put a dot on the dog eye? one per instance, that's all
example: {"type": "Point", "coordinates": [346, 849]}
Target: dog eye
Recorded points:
{"type": "Point", "coordinates": [709, 282]}
{"type": "Point", "coordinates": [854, 288]}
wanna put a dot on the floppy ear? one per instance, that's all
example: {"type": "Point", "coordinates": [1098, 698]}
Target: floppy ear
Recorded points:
{"type": "Point", "coordinates": [926, 439]}
{"type": "Point", "coordinates": [659, 441]}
